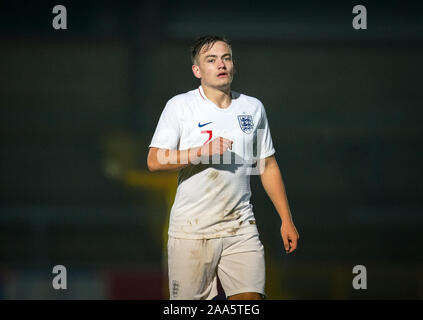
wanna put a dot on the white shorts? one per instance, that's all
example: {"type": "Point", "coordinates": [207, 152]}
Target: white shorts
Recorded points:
{"type": "Point", "coordinates": [238, 261]}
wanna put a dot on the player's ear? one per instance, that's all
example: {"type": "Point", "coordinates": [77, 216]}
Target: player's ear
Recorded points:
{"type": "Point", "coordinates": [196, 71]}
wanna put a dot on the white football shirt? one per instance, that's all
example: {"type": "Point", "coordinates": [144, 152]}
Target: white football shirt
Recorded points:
{"type": "Point", "coordinates": [213, 200]}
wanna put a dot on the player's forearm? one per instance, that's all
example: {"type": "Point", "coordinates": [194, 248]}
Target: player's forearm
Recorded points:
{"type": "Point", "coordinates": [171, 160]}
{"type": "Point", "coordinates": [271, 179]}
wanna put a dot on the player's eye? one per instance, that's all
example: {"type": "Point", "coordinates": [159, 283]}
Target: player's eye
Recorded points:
{"type": "Point", "coordinates": [228, 58]}
{"type": "Point", "coordinates": [210, 60]}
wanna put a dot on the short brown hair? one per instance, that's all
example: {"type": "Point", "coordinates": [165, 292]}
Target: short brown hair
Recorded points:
{"type": "Point", "coordinates": [207, 41]}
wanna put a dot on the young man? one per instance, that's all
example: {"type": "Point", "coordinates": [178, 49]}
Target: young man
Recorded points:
{"type": "Point", "coordinates": [209, 135]}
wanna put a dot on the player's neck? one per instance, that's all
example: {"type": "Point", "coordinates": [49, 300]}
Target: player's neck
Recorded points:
{"type": "Point", "coordinates": [220, 97]}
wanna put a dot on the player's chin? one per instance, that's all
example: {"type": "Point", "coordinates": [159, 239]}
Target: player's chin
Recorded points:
{"type": "Point", "coordinates": [224, 82]}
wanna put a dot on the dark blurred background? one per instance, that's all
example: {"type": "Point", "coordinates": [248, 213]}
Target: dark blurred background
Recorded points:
{"type": "Point", "coordinates": [79, 108]}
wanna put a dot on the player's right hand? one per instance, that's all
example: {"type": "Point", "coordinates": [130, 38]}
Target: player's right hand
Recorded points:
{"type": "Point", "coordinates": [217, 146]}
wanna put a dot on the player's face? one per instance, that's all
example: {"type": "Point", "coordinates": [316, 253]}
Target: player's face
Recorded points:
{"type": "Point", "coordinates": [215, 67]}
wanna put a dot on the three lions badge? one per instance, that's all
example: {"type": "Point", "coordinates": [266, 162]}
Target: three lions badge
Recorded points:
{"type": "Point", "coordinates": [246, 123]}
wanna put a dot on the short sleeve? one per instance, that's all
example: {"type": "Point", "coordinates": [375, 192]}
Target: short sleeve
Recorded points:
{"type": "Point", "coordinates": [167, 132]}
{"type": "Point", "coordinates": [264, 139]}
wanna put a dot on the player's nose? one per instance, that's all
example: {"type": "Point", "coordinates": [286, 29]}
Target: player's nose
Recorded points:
{"type": "Point", "coordinates": [221, 64]}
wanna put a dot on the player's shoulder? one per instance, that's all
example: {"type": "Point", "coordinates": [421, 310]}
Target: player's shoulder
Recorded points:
{"type": "Point", "coordinates": [179, 102]}
{"type": "Point", "coordinates": [182, 98]}
{"type": "Point", "coordinates": [253, 101]}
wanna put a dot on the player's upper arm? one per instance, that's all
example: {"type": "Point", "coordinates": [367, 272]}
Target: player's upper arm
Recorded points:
{"type": "Point", "coordinates": [168, 130]}
{"type": "Point", "coordinates": [264, 138]}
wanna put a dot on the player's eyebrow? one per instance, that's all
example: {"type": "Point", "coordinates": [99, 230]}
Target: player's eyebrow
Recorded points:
{"type": "Point", "coordinates": [215, 56]}
{"type": "Point", "coordinates": [210, 56]}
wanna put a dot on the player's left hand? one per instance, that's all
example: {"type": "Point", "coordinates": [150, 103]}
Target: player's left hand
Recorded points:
{"type": "Point", "coordinates": [290, 236]}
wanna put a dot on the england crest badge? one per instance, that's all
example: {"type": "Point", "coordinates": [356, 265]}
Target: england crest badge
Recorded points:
{"type": "Point", "coordinates": [246, 123]}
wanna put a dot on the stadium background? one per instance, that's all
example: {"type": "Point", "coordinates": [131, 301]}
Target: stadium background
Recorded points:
{"type": "Point", "coordinates": [79, 107]}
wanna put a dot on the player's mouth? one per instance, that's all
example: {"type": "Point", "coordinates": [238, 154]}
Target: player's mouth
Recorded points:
{"type": "Point", "coordinates": [222, 75]}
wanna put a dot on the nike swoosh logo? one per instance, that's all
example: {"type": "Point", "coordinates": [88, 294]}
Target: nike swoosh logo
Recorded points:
{"type": "Point", "coordinates": [204, 124]}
